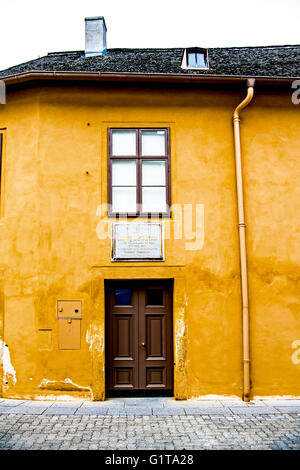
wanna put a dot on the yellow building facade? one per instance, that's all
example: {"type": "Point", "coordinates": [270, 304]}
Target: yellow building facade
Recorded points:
{"type": "Point", "coordinates": [56, 242]}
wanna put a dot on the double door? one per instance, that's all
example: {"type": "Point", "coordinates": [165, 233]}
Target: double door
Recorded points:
{"type": "Point", "coordinates": [139, 336]}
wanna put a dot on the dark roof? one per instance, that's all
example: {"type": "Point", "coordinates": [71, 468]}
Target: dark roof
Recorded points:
{"type": "Point", "coordinates": [267, 61]}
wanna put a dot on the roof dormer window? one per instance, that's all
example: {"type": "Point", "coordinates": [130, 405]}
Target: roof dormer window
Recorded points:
{"type": "Point", "coordinates": [195, 58]}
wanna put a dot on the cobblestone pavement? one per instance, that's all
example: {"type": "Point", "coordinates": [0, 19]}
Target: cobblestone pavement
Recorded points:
{"type": "Point", "coordinates": [149, 423]}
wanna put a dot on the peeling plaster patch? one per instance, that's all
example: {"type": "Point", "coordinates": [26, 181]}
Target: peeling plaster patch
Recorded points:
{"type": "Point", "coordinates": [216, 397]}
{"type": "Point", "coordinates": [180, 334]}
{"type": "Point", "coordinates": [94, 338]}
{"type": "Point", "coordinates": [180, 326]}
{"type": "Point", "coordinates": [180, 342]}
{"type": "Point", "coordinates": [276, 397]}
{"type": "Point", "coordinates": [296, 354]}
{"type": "Point", "coordinates": [180, 331]}
{"type": "Point", "coordinates": [64, 385]}
{"type": "Point", "coordinates": [58, 398]}
{"type": "Point", "coordinates": [8, 369]}
{"type": "Point", "coordinates": [67, 398]}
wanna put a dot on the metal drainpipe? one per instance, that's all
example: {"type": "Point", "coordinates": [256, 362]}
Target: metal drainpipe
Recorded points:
{"type": "Point", "coordinates": [242, 239]}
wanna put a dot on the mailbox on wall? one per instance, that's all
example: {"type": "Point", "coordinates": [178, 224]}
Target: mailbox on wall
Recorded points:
{"type": "Point", "coordinates": [69, 315]}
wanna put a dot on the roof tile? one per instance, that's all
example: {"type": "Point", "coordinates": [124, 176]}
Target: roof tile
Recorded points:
{"type": "Point", "coordinates": [283, 61]}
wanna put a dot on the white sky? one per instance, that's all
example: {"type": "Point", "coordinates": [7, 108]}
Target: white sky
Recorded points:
{"type": "Point", "coordinates": [32, 28]}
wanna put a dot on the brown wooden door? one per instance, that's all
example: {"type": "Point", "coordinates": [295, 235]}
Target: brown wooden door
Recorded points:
{"type": "Point", "coordinates": [139, 336]}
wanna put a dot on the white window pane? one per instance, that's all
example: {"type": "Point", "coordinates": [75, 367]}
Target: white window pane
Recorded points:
{"type": "Point", "coordinates": [192, 59]}
{"type": "Point", "coordinates": [200, 60]}
{"type": "Point", "coordinates": [153, 173]}
{"type": "Point", "coordinates": [124, 143]}
{"type": "Point", "coordinates": [154, 199]}
{"type": "Point", "coordinates": [153, 143]}
{"type": "Point", "coordinates": [124, 173]}
{"type": "Point", "coordinates": [124, 199]}
{"type": "Point", "coordinates": [196, 60]}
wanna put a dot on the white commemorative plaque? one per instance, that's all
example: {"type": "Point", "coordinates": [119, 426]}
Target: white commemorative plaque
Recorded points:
{"type": "Point", "coordinates": [137, 241]}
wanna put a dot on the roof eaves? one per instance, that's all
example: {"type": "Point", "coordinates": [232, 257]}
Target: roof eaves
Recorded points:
{"type": "Point", "coordinates": [139, 76]}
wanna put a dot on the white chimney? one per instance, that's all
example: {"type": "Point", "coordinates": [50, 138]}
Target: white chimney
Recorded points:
{"type": "Point", "coordinates": [95, 36]}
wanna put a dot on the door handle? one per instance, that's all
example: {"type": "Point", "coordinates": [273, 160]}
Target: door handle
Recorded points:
{"type": "Point", "coordinates": [143, 345]}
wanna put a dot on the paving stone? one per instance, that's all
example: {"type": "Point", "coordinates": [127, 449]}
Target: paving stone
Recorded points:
{"type": "Point", "coordinates": [199, 404]}
{"type": "Point", "coordinates": [144, 404]}
{"type": "Point", "coordinates": [130, 411]}
{"type": "Point", "coordinates": [281, 403]}
{"type": "Point", "coordinates": [253, 410]}
{"type": "Point", "coordinates": [68, 404]}
{"type": "Point", "coordinates": [100, 410]}
{"type": "Point", "coordinates": [106, 404]}
{"type": "Point", "coordinates": [288, 409]}
{"type": "Point", "coordinates": [38, 403]}
{"type": "Point", "coordinates": [251, 404]}
{"type": "Point", "coordinates": [60, 410]}
{"type": "Point", "coordinates": [5, 409]}
{"type": "Point", "coordinates": [10, 402]}
{"type": "Point", "coordinates": [31, 410]}
{"type": "Point", "coordinates": [207, 411]}
{"type": "Point", "coordinates": [168, 411]}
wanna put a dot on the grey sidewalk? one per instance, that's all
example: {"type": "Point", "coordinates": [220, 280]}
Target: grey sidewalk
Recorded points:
{"type": "Point", "coordinates": [149, 406]}
{"type": "Point", "coordinates": [150, 423]}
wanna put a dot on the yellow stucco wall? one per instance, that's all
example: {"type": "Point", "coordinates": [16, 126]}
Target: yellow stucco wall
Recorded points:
{"type": "Point", "coordinates": [51, 246]}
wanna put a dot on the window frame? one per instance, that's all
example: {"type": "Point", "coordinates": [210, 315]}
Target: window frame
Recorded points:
{"type": "Point", "coordinates": [1, 167]}
{"type": "Point", "coordinates": [139, 158]}
{"type": "Point", "coordinates": [1, 152]}
{"type": "Point", "coordinates": [194, 50]}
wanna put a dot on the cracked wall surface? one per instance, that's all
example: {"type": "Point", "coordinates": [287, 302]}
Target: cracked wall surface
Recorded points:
{"type": "Point", "coordinates": [55, 179]}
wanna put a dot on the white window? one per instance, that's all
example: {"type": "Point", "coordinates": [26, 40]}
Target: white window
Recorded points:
{"type": "Point", "coordinates": [195, 58]}
{"type": "Point", "coordinates": [138, 172]}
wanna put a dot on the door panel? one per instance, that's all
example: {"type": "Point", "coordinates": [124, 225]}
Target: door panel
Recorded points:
{"type": "Point", "coordinates": [155, 333]}
{"type": "Point", "coordinates": [122, 337]}
{"type": "Point", "coordinates": [155, 327]}
{"type": "Point", "coordinates": [139, 336]}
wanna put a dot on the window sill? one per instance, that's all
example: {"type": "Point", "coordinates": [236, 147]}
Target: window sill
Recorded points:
{"type": "Point", "coordinates": [153, 215]}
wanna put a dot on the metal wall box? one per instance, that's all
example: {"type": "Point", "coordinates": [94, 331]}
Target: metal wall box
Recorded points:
{"type": "Point", "coordinates": [69, 333]}
{"type": "Point", "coordinates": [69, 309]}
